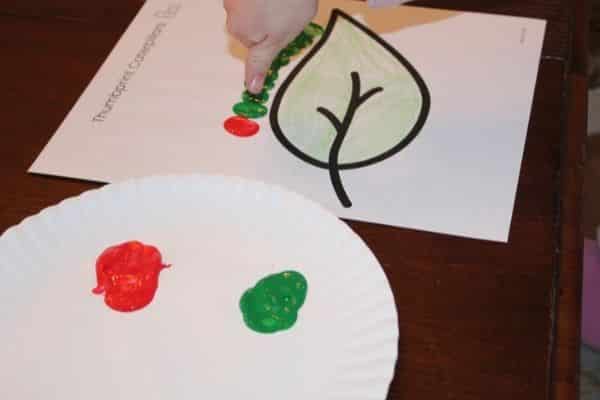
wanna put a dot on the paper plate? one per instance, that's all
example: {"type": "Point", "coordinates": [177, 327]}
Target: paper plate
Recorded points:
{"type": "Point", "coordinates": [221, 235]}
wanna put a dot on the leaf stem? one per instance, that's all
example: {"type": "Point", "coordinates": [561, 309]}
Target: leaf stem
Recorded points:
{"type": "Point", "coordinates": [341, 128]}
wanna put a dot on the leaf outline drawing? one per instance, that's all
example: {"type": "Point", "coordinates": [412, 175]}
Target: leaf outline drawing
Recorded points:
{"type": "Point", "coordinates": [341, 125]}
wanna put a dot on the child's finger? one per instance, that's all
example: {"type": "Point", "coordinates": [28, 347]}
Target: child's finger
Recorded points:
{"type": "Point", "coordinates": [244, 32]}
{"type": "Point", "coordinates": [258, 63]}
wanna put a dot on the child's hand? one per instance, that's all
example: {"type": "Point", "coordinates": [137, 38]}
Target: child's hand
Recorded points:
{"type": "Point", "coordinates": [265, 27]}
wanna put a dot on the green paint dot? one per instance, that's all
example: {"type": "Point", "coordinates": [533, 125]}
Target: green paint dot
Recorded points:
{"type": "Point", "coordinates": [313, 30]}
{"type": "Point", "coordinates": [302, 40]}
{"type": "Point", "coordinates": [318, 28]}
{"type": "Point", "coordinates": [281, 60]}
{"type": "Point", "coordinates": [262, 97]}
{"type": "Point", "coordinates": [250, 109]}
{"type": "Point", "coordinates": [271, 78]}
{"type": "Point", "coordinates": [272, 305]}
{"type": "Point", "coordinates": [275, 65]}
{"type": "Point", "coordinates": [289, 52]}
{"type": "Point", "coordinates": [269, 84]}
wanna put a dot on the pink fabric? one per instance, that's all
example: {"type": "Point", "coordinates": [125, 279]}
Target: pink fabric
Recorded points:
{"type": "Point", "coordinates": [590, 318]}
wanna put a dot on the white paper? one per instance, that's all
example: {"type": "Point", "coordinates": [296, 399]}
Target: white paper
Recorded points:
{"type": "Point", "coordinates": [175, 75]}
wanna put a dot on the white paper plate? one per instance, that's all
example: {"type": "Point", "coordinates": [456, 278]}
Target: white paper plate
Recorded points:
{"type": "Point", "coordinates": [221, 235]}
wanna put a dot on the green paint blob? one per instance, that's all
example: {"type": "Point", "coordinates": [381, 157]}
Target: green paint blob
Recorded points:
{"type": "Point", "coordinates": [289, 51]}
{"type": "Point", "coordinates": [250, 109]}
{"type": "Point", "coordinates": [272, 305]}
{"type": "Point", "coordinates": [262, 97]}
{"type": "Point", "coordinates": [269, 84]}
{"type": "Point", "coordinates": [271, 78]}
{"type": "Point", "coordinates": [302, 40]}
{"type": "Point", "coordinates": [279, 62]}
{"type": "Point", "coordinates": [313, 30]}
{"type": "Point", "coordinates": [272, 75]}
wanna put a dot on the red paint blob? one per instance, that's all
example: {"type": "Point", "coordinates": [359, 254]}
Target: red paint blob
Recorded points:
{"type": "Point", "coordinates": [128, 275]}
{"type": "Point", "coordinates": [240, 126]}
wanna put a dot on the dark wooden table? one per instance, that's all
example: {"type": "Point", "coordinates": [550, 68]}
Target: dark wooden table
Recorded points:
{"type": "Point", "coordinates": [479, 320]}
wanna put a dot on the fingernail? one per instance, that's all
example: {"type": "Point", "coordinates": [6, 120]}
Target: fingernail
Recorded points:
{"type": "Point", "coordinates": [256, 84]}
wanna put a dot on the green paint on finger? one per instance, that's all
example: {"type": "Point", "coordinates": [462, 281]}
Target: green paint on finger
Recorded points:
{"type": "Point", "coordinates": [272, 305]}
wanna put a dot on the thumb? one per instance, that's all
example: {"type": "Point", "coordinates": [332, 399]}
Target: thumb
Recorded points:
{"type": "Point", "coordinates": [258, 62]}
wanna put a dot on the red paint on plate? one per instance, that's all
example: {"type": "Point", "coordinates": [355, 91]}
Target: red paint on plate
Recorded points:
{"type": "Point", "coordinates": [127, 274]}
{"type": "Point", "coordinates": [240, 126]}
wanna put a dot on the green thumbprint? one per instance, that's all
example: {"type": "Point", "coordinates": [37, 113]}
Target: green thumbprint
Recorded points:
{"type": "Point", "coordinates": [272, 305]}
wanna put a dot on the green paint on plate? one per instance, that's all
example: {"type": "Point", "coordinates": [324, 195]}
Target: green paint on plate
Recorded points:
{"type": "Point", "coordinates": [272, 305]}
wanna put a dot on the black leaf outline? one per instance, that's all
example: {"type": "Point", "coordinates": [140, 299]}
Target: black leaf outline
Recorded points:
{"type": "Point", "coordinates": [341, 128]}
{"type": "Point", "coordinates": [334, 170]}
